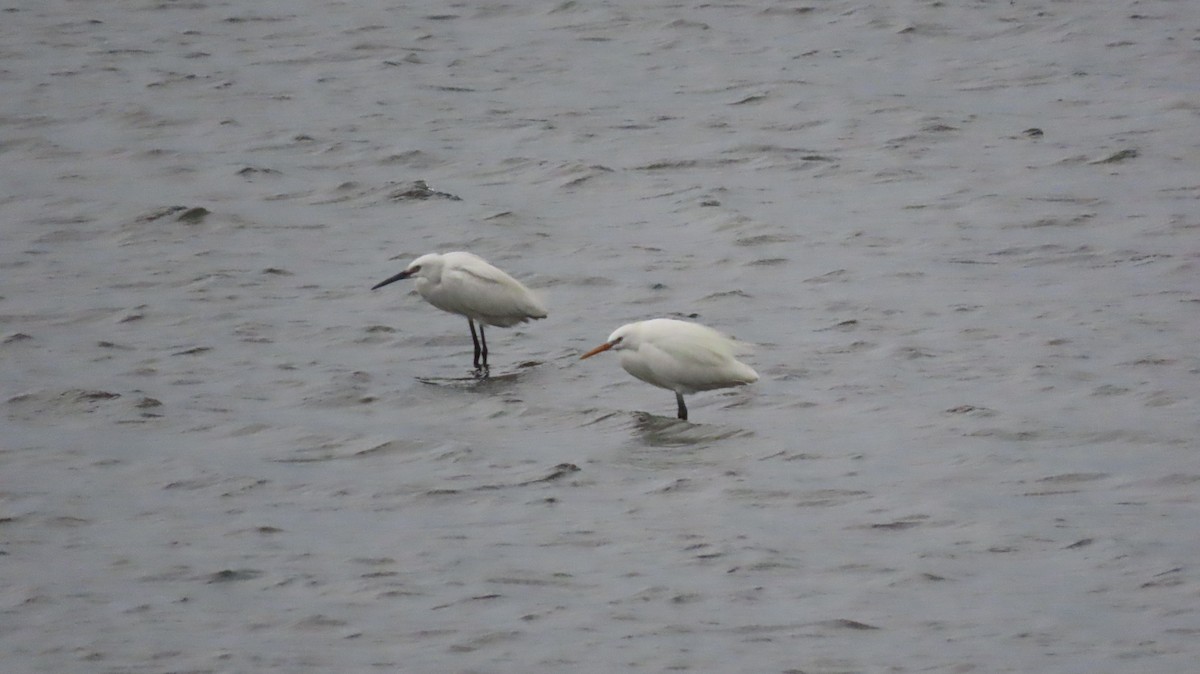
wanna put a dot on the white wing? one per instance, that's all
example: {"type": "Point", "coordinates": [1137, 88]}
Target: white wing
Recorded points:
{"type": "Point", "coordinates": [474, 288]}
{"type": "Point", "coordinates": [695, 357]}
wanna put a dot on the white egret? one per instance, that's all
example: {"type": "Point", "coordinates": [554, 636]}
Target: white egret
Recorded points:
{"type": "Point", "coordinates": [465, 284]}
{"type": "Point", "coordinates": [677, 355]}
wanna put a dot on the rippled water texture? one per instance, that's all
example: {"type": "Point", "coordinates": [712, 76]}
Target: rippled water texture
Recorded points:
{"type": "Point", "coordinates": [962, 236]}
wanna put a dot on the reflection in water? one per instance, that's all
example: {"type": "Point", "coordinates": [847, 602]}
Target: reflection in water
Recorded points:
{"type": "Point", "coordinates": [668, 443]}
{"type": "Point", "coordinates": [658, 442]}
{"type": "Point", "coordinates": [483, 380]}
{"type": "Point", "coordinates": [659, 431]}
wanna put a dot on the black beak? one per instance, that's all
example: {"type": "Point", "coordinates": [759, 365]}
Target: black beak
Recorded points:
{"type": "Point", "coordinates": [402, 275]}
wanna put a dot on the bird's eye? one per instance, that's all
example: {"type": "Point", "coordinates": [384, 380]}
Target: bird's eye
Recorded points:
{"type": "Point", "coordinates": [617, 340]}
{"type": "Point", "coordinates": [415, 268]}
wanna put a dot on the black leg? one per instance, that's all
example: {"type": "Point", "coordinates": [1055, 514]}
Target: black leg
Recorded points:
{"type": "Point", "coordinates": [483, 340]}
{"type": "Point", "coordinates": [475, 340]}
{"type": "Point", "coordinates": [682, 407]}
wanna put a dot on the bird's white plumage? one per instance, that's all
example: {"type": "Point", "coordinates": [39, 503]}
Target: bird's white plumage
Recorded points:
{"type": "Point", "coordinates": [679, 356]}
{"type": "Point", "coordinates": [465, 284]}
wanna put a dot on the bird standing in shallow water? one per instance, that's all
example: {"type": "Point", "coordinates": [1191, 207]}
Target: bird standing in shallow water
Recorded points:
{"type": "Point", "coordinates": [465, 284]}
{"type": "Point", "coordinates": [677, 355]}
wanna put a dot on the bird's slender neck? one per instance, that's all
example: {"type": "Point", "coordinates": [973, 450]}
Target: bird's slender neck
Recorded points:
{"type": "Point", "coordinates": [433, 273]}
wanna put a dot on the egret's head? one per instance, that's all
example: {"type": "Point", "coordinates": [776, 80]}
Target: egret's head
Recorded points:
{"type": "Point", "coordinates": [427, 266]}
{"type": "Point", "coordinates": [624, 337]}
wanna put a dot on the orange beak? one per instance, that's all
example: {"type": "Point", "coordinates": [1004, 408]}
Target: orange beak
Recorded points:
{"type": "Point", "coordinates": [599, 349]}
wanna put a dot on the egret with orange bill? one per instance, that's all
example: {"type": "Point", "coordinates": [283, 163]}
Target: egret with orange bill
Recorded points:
{"type": "Point", "coordinates": [679, 356]}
